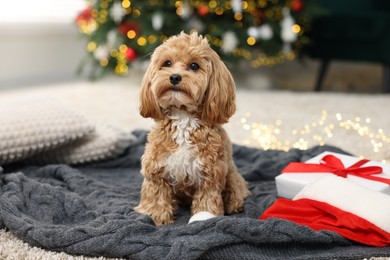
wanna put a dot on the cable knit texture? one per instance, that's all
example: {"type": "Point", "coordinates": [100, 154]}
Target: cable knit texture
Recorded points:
{"type": "Point", "coordinates": [88, 210]}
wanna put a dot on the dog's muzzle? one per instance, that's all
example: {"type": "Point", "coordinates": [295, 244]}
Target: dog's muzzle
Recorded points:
{"type": "Point", "coordinates": [175, 79]}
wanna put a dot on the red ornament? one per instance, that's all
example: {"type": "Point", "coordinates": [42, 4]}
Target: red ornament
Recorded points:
{"type": "Point", "coordinates": [258, 17]}
{"type": "Point", "coordinates": [130, 54]}
{"type": "Point", "coordinates": [297, 5]}
{"type": "Point", "coordinates": [127, 26]}
{"type": "Point", "coordinates": [203, 10]}
{"type": "Point", "coordinates": [84, 16]}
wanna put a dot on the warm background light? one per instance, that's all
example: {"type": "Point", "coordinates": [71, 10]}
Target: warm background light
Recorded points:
{"type": "Point", "coordinates": [40, 11]}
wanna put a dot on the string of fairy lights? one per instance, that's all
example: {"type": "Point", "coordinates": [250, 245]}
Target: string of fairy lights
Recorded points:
{"type": "Point", "coordinates": [319, 132]}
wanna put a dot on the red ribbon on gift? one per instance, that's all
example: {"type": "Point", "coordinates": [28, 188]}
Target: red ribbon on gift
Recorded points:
{"type": "Point", "coordinates": [332, 164]}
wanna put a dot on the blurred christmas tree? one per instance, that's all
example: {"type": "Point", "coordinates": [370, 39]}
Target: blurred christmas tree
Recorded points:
{"type": "Point", "coordinates": [263, 32]}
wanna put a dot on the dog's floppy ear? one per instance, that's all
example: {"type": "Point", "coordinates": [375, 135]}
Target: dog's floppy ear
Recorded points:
{"type": "Point", "coordinates": [220, 97]}
{"type": "Point", "coordinates": [148, 105]}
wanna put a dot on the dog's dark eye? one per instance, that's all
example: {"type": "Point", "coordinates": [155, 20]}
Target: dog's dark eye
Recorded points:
{"type": "Point", "coordinates": [194, 66]}
{"type": "Point", "coordinates": [167, 63]}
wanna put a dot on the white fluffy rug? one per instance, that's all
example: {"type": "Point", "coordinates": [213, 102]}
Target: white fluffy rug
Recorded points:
{"type": "Point", "coordinates": [357, 123]}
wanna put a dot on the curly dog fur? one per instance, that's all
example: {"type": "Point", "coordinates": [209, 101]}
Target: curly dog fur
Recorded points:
{"type": "Point", "coordinates": [189, 93]}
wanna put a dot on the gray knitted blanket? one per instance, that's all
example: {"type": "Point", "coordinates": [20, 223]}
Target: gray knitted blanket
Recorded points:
{"type": "Point", "coordinates": [88, 210]}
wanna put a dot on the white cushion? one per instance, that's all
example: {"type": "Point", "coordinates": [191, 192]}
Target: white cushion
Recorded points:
{"type": "Point", "coordinates": [105, 143]}
{"type": "Point", "coordinates": [33, 125]}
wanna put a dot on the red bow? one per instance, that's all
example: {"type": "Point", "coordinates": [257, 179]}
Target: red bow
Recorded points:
{"type": "Point", "coordinates": [332, 164]}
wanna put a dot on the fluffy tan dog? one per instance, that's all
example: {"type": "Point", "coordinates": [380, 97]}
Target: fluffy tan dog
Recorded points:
{"type": "Point", "coordinates": [189, 93]}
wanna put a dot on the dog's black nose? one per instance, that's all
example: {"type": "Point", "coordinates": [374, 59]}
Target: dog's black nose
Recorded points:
{"type": "Point", "coordinates": [175, 79]}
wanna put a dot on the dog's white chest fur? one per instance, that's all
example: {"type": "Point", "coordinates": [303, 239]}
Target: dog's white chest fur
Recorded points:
{"type": "Point", "coordinates": [184, 166]}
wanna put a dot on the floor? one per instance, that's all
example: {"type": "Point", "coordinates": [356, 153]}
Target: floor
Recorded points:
{"type": "Point", "coordinates": [301, 75]}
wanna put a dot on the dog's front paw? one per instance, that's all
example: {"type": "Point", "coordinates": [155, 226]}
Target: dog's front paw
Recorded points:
{"type": "Point", "coordinates": [163, 219]}
{"type": "Point", "coordinates": [234, 202]}
{"type": "Point", "coordinates": [160, 217]}
{"type": "Point", "coordinates": [234, 206]}
{"type": "Point", "coordinates": [201, 216]}
{"type": "Point", "coordinates": [234, 199]}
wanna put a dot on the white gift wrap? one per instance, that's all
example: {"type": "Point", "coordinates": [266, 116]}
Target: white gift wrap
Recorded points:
{"type": "Point", "coordinates": [289, 184]}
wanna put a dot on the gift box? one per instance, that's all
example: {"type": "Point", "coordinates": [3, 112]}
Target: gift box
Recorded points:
{"type": "Point", "coordinates": [369, 174]}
